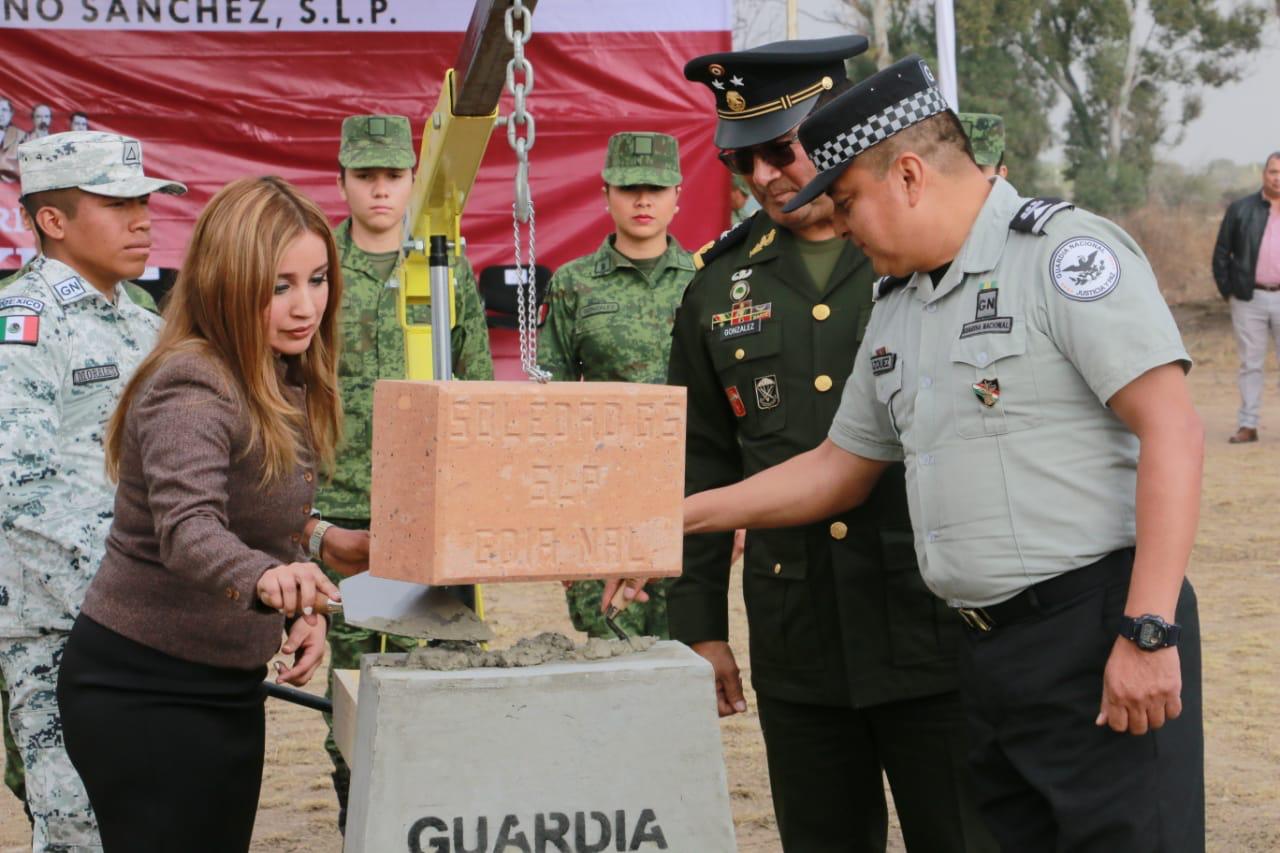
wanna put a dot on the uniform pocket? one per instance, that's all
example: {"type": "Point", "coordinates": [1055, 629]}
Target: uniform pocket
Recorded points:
{"type": "Point", "coordinates": [750, 371]}
{"type": "Point", "coordinates": [780, 606]}
{"type": "Point", "coordinates": [993, 384]}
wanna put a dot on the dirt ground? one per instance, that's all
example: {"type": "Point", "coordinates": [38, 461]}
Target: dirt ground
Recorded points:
{"type": "Point", "coordinates": [1234, 568]}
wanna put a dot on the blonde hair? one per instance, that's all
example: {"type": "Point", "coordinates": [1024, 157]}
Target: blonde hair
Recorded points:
{"type": "Point", "coordinates": [217, 308]}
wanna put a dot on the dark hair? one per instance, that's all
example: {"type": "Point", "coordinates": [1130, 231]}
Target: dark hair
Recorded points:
{"type": "Point", "coordinates": [66, 200]}
{"type": "Point", "coordinates": [84, 116]}
{"type": "Point", "coordinates": [1274, 155]}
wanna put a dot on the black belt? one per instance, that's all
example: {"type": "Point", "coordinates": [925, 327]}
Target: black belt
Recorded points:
{"type": "Point", "coordinates": [1047, 594]}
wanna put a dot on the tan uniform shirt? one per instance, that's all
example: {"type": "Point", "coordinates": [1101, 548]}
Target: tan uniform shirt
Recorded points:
{"type": "Point", "coordinates": [993, 388]}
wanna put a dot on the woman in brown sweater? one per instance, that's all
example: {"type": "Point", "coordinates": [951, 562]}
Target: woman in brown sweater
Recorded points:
{"type": "Point", "coordinates": [215, 445]}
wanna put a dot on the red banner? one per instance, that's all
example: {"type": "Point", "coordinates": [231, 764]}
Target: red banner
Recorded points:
{"type": "Point", "coordinates": [214, 103]}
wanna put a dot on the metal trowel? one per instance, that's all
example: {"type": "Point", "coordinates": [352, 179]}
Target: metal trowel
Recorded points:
{"type": "Point", "coordinates": [408, 610]}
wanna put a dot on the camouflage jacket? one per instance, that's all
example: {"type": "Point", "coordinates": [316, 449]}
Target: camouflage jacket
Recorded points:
{"type": "Point", "coordinates": [373, 349]}
{"type": "Point", "coordinates": [139, 294]}
{"type": "Point", "coordinates": [67, 354]}
{"type": "Point", "coordinates": [609, 322]}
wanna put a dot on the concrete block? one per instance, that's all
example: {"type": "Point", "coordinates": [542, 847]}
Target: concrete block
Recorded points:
{"type": "Point", "coordinates": [476, 482]}
{"type": "Point", "coordinates": [618, 754]}
{"type": "Point", "coordinates": [346, 695]}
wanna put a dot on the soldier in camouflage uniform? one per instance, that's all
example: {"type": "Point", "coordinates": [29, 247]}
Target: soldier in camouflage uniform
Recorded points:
{"type": "Point", "coordinates": [986, 137]}
{"type": "Point", "coordinates": [71, 338]}
{"type": "Point", "coordinates": [14, 778]}
{"type": "Point", "coordinates": [610, 314]}
{"type": "Point", "coordinates": [376, 177]}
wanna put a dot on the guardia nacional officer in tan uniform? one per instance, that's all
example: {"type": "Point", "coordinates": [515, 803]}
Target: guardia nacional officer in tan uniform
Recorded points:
{"type": "Point", "coordinates": [1018, 361]}
{"type": "Point", "coordinates": [852, 659]}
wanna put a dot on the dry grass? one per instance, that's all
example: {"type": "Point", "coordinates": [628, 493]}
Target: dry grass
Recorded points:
{"type": "Point", "coordinates": [1233, 567]}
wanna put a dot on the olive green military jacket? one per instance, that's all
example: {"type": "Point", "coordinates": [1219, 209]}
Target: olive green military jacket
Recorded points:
{"type": "Point", "coordinates": [373, 349]}
{"type": "Point", "coordinates": [838, 613]}
{"type": "Point", "coordinates": [609, 322]}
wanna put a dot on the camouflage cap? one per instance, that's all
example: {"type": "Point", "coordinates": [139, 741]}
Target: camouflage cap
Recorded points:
{"type": "Point", "coordinates": [376, 142]}
{"type": "Point", "coordinates": [642, 158]}
{"type": "Point", "coordinates": [986, 136]}
{"type": "Point", "coordinates": [96, 162]}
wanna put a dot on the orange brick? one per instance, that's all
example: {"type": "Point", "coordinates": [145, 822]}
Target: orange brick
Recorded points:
{"type": "Point", "coordinates": [476, 482]}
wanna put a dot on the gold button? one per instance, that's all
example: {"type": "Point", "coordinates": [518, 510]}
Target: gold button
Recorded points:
{"type": "Point", "coordinates": [777, 568]}
{"type": "Point", "coordinates": [232, 593]}
{"type": "Point", "coordinates": [821, 312]}
{"type": "Point", "coordinates": [740, 354]}
{"type": "Point", "coordinates": [822, 383]}
{"type": "Point", "coordinates": [839, 530]}
{"type": "Point", "coordinates": [306, 476]}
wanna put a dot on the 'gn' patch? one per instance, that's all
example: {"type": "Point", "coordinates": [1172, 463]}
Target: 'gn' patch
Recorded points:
{"type": "Point", "coordinates": [1084, 269]}
{"type": "Point", "coordinates": [596, 308]}
{"type": "Point", "coordinates": [986, 319]}
{"type": "Point", "coordinates": [883, 361]}
{"type": "Point", "coordinates": [70, 290]}
{"type": "Point", "coordinates": [767, 394]}
{"type": "Point", "coordinates": [97, 373]}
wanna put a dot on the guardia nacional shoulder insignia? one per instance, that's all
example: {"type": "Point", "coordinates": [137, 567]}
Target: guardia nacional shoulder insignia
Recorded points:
{"type": "Point", "coordinates": [1084, 269]}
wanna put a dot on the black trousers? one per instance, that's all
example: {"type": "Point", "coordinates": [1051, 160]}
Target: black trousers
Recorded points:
{"type": "Point", "coordinates": [1047, 778]}
{"type": "Point", "coordinates": [170, 751]}
{"type": "Point", "coordinates": [826, 766]}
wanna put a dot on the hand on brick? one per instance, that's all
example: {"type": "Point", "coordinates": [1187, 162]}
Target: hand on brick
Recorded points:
{"type": "Point", "coordinates": [294, 586]}
{"type": "Point", "coordinates": [345, 551]}
{"type": "Point", "coordinates": [306, 644]}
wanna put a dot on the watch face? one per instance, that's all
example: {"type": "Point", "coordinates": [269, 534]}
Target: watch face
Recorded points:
{"type": "Point", "coordinates": [1151, 635]}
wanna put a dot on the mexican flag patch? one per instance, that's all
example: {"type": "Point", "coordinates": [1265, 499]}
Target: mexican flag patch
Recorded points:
{"type": "Point", "coordinates": [24, 329]}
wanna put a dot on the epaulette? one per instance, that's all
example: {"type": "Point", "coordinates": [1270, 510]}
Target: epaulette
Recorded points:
{"type": "Point", "coordinates": [886, 285]}
{"type": "Point", "coordinates": [726, 241]}
{"type": "Point", "coordinates": [1033, 216]}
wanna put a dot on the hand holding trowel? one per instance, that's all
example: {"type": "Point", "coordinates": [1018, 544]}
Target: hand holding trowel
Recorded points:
{"type": "Point", "coordinates": [618, 595]}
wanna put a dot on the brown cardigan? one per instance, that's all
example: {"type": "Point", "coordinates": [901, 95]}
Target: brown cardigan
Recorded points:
{"type": "Point", "coordinates": [194, 528]}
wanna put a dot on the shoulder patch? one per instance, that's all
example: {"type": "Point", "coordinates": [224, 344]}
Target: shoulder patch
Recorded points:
{"type": "Point", "coordinates": [1033, 216]}
{"type": "Point", "coordinates": [1084, 269]}
{"type": "Point", "coordinates": [726, 241]}
{"type": "Point", "coordinates": [31, 304]}
{"type": "Point", "coordinates": [69, 290]}
{"type": "Point", "coordinates": [886, 285]}
{"type": "Point", "coordinates": [20, 329]}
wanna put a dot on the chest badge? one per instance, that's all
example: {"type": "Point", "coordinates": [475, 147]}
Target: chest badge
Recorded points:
{"type": "Point", "coordinates": [987, 391]}
{"type": "Point", "coordinates": [986, 320]}
{"type": "Point", "coordinates": [883, 361]}
{"type": "Point", "coordinates": [741, 288]}
{"type": "Point", "coordinates": [735, 401]}
{"type": "Point", "coordinates": [767, 394]}
{"type": "Point", "coordinates": [742, 319]}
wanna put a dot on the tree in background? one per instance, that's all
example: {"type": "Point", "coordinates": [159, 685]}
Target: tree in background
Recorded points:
{"type": "Point", "coordinates": [1121, 64]}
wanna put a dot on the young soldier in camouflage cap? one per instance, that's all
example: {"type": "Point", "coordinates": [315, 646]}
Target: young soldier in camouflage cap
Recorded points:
{"type": "Point", "coordinates": [71, 337]}
{"type": "Point", "coordinates": [986, 137]}
{"type": "Point", "coordinates": [610, 314]}
{"type": "Point", "coordinates": [376, 161]}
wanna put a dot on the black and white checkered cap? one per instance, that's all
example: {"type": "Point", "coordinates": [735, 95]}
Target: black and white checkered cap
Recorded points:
{"type": "Point", "coordinates": [886, 103]}
{"type": "Point", "coordinates": [850, 143]}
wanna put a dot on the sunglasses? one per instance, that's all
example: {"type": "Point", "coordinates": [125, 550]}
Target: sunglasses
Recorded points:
{"type": "Point", "coordinates": [778, 153]}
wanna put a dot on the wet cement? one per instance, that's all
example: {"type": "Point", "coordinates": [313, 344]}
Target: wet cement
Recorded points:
{"type": "Point", "coordinates": [547, 647]}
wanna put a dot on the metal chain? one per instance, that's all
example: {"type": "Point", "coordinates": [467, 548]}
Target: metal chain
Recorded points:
{"type": "Point", "coordinates": [522, 208]}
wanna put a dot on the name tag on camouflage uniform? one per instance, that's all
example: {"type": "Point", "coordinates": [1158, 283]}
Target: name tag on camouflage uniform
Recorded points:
{"type": "Point", "coordinates": [597, 308]}
{"type": "Point", "coordinates": [96, 373]}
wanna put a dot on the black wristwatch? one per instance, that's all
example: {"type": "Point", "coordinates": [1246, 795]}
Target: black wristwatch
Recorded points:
{"type": "Point", "coordinates": [1149, 632]}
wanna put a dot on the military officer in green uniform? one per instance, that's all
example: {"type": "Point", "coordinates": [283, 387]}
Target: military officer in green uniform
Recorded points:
{"type": "Point", "coordinates": [1024, 365]}
{"type": "Point", "coordinates": [852, 660]}
{"type": "Point", "coordinates": [986, 138]}
{"type": "Point", "coordinates": [376, 163]}
{"type": "Point", "coordinates": [610, 313]}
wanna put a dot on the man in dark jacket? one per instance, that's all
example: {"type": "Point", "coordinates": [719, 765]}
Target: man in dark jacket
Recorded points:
{"type": "Point", "coordinates": [1246, 266]}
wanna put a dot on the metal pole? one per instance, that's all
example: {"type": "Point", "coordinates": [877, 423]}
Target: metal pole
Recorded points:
{"type": "Point", "coordinates": [793, 19]}
{"type": "Point", "coordinates": [441, 322]}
